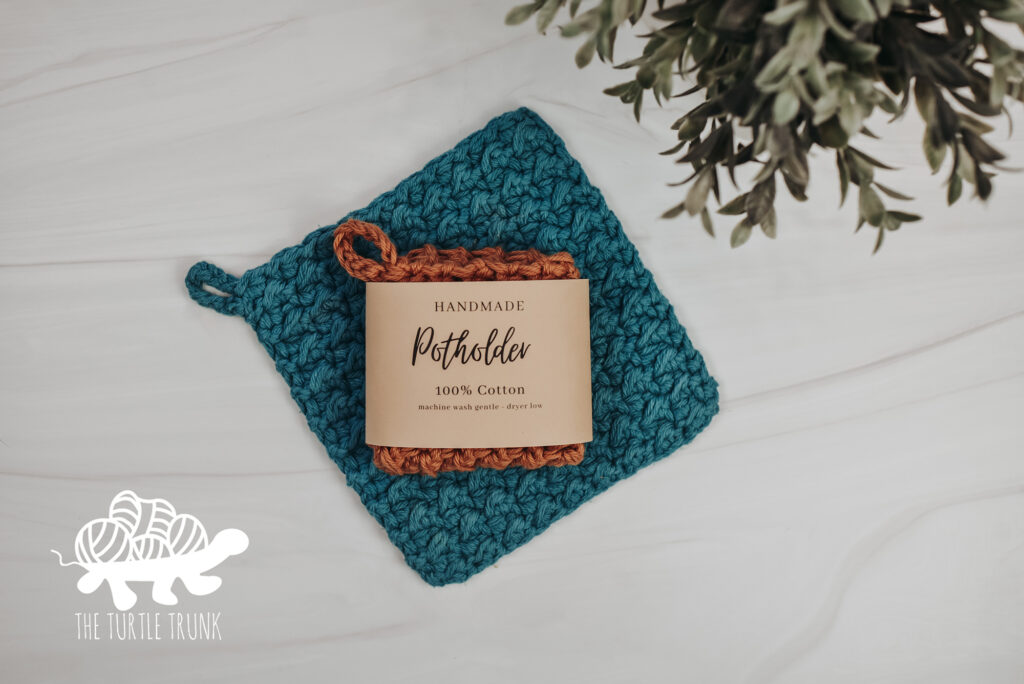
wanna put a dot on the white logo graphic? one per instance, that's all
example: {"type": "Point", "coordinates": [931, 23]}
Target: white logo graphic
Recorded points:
{"type": "Point", "coordinates": [146, 540]}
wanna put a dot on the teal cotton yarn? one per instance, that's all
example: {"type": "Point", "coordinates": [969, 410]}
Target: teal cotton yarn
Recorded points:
{"type": "Point", "coordinates": [511, 184]}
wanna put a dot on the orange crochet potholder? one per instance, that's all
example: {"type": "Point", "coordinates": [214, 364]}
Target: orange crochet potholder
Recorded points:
{"type": "Point", "coordinates": [430, 264]}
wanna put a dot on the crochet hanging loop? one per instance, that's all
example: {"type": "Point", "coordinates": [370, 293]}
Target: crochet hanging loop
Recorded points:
{"type": "Point", "coordinates": [356, 264]}
{"type": "Point", "coordinates": [214, 288]}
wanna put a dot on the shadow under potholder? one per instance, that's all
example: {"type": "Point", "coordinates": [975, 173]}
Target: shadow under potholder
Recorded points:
{"type": "Point", "coordinates": [513, 184]}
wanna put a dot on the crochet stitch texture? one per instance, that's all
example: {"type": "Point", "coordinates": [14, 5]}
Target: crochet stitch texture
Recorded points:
{"type": "Point", "coordinates": [511, 183]}
{"type": "Point", "coordinates": [430, 264]}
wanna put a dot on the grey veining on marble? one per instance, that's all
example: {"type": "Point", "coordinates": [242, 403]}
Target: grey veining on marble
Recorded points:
{"type": "Point", "coordinates": [855, 514]}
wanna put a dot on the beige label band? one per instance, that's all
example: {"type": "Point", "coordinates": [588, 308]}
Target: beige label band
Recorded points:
{"type": "Point", "coordinates": [478, 364]}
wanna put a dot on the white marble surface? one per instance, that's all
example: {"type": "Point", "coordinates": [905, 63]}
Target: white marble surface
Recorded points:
{"type": "Point", "coordinates": [855, 514]}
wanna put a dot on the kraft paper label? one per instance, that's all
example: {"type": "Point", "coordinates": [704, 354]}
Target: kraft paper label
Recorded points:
{"type": "Point", "coordinates": [478, 364]}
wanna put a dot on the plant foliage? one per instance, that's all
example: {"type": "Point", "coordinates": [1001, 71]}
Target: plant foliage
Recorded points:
{"type": "Point", "coordinates": [781, 77]}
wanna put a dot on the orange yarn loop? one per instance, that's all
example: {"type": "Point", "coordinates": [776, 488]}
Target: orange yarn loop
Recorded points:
{"type": "Point", "coordinates": [430, 264]}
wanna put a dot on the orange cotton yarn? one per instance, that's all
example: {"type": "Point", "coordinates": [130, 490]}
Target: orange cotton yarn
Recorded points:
{"type": "Point", "coordinates": [430, 264]}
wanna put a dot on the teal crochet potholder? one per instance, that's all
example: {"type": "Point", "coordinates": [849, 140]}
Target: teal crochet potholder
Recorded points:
{"type": "Point", "coordinates": [510, 184]}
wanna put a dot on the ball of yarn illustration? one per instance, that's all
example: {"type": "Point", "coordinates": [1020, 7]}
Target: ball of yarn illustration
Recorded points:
{"type": "Point", "coordinates": [139, 529]}
{"type": "Point", "coordinates": [142, 516]}
{"type": "Point", "coordinates": [103, 540]}
{"type": "Point", "coordinates": [186, 534]}
{"type": "Point", "coordinates": [161, 515]}
{"type": "Point", "coordinates": [150, 547]}
{"type": "Point", "coordinates": [127, 510]}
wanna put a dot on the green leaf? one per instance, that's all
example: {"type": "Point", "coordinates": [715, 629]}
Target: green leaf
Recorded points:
{"type": "Point", "coordinates": [857, 10]}
{"type": "Point", "coordinates": [861, 172]}
{"type": "Point", "coordinates": [674, 148]}
{"type": "Point", "coordinates": [795, 167]}
{"type": "Point", "coordinates": [806, 38]}
{"type": "Point", "coordinates": [645, 76]}
{"type": "Point", "coordinates": [770, 224]}
{"type": "Point", "coordinates": [984, 185]}
{"type": "Point", "coordinates": [976, 125]}
{"type": "Point", "coordinates": [520, 13]}
{"type": "Point", "coordinates": [1012, 14]}
{"type": "Point", "coordinates": [705, 219]}
{"type": "Point", "coordinates": [862, 52]}
{"type": "Point", "coordinates": [680, 12]}
{"type": "Point", "coordinates": [606, 43]}
{"type": "Point", "coordinates": [997, 87]}
{"type": "Point", "coordinates": [965, 166]}
{"type": "Point", "coordinates": [980, 150]}
{"type": "Point", "coordinates": [924, 99]}
{"type": "Point", "coordinates": [697, 197]}
{"type": "Point", "coordinates": [785, 13]}
{"type": "Point", "coordinates": [578, 26]}
{"type": "Point", "coordinates": [935, 154]}
{"type": "Point", "coordinates": [844, 178]}
{"type": "Point", "coordinates": [619, 90]}
{"type": "Point", "coordinates": [878, 242]}
{"type": "Point", "coordinates": [663, 84]}
{"type": "Point", "coordinates": [785, 107]}
{"type": "Point", "coordinates": [546, 14]}
{"type": "Point", "coordinates": [759, 201]}
{"type": "Point", "coordinates": [832, 134]}
{"type": "Point", "coordinates": [692, 128]}
{"type": "Point", "coordinates": [674, 211]}
{"type": "Point", "coordinates": [776, 67]}
{"type": "Point", "coordinates": [999, 52]}
{"type": "Point", "coordinates": [849, 115]}
{"type": "Point", "coordinates": [797, 190]}
{"type": "Point", "coordinates": [870, 160]}
{"type": "Point", "coordinates": [871, 207]}
{"type": "Point", "coordinates": [636, 9]}
{"type": "Point", "coordinates": [825, 106]}
{"type": "Point", "coordinates": [740, 234]}
{"type": "Point", "coordinates": [890, 222]}
{"type": "Point", "coordinates": [905, 217]}
{"type": "Point", "coordinates": [888, 104]}
{"type": "Point", "coordinates": [735, 207]}
{"type": "Point", "coordinates": [956, 188]}
{"type": "Point", "coordinates": [586, 52]}
{"type": "Point", "coordinates": [833, 23]}
{"type": "Point", "coordinates": [893, 193]}
{"type": "Point", "coordinates": [730, 15]}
